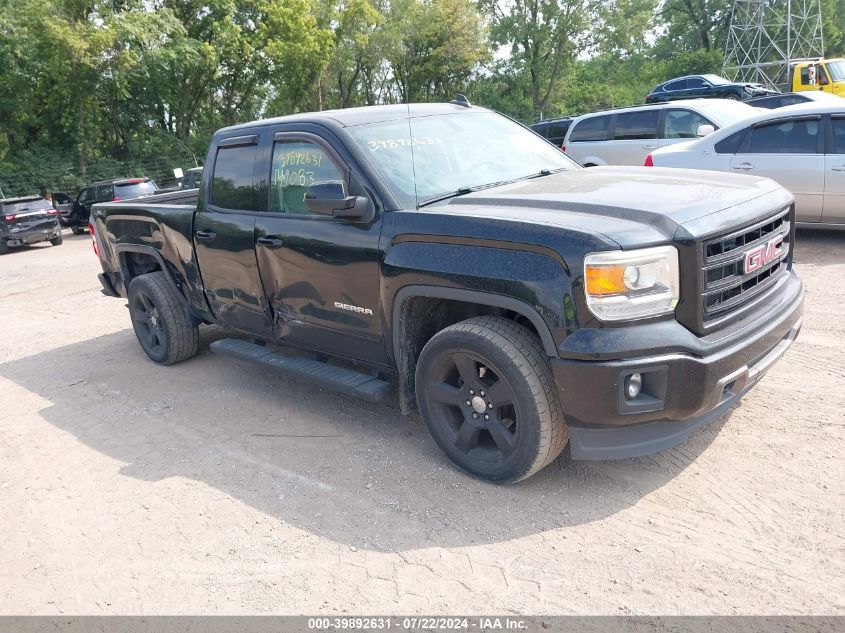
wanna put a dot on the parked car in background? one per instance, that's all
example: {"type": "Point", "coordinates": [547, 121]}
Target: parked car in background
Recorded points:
{"type": "Point", "coordinates": [191, 179]}
{"type": "Point", "coordinates": [76, 217]}
{"type": "Point", "coordinates": [553, 130]}
{"type": "Point", "coordinates": [708, 87]}
{"type": "Point", "coordinates": [772, 102]}
{"type": "Point", "coordinates": [28, 220]}
{"type": "Point", "coordinates": [802, 147]}
{"type": "Point", "coordinates": [627, 135]}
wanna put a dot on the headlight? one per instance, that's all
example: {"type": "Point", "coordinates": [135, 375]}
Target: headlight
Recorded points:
{"type": "Point", "coordinates": [624, 285]}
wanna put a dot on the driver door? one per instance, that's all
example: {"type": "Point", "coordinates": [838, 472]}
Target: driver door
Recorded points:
{"type": "Point", "coordinates": [320, 273]}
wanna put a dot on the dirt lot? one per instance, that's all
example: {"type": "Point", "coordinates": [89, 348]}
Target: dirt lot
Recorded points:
{"type": "Point", "coordinates": [212, 487]}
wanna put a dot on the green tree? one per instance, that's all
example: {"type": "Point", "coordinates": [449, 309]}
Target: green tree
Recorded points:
{"type": "Point", "coordinates": [441, 44]}
{"type": "Point", "coordinates": [542, 38]}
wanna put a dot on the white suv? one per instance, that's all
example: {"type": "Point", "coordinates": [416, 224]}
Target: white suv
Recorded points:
{"type": "Point", "coordinates": [627, 135]}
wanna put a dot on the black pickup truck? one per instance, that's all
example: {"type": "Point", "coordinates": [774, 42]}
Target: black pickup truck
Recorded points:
{"type": "Point", "coordinates": [518, 300]}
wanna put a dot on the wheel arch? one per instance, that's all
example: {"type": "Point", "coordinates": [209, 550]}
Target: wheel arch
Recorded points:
{"type": "Point", "coordinates": [136, 259]}
{"type": "Point", "coordinates": [454, 304]}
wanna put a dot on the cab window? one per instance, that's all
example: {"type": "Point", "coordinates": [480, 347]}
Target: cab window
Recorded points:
{"type": "Point", "coordinates": [591, 129]}
{"type": "Point", "coordinates": [231, 183]}
{"type": "Point", "coordinates": [298, 164]}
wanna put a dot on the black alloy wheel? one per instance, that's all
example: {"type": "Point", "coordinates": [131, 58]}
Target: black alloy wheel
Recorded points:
{"type": "Point", "coordinates": [161, 320]}
{"type": "Point", "coordinates": [487, 396]}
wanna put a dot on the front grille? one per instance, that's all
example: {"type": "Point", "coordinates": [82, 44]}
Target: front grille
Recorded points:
{"type": "Point", "coordinates": [726, 284]}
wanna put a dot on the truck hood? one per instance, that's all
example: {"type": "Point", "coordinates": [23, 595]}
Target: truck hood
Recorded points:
{"type": "Point", "coordinates": [632, 206]}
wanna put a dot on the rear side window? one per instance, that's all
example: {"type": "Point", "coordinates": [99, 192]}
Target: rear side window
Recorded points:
{"type": "Point", "coordinates": [232, 182]}
{"type": "Point", "coordinates": [298, 164]}
{"type": "Point", "coordinates": [557, 131]}
{"type": "Point", "coordinates": [105, 192]}
{"type": "Point", "coordinates": [799, 136]}
{"type": "Point", "coordinates": [636, 125]}
{"type": "Point", "coordinates": [134, 190]}
{"type": "Point", "coordinates": [681, 123]}
{"type": "Point", "coordinates": [541, 128]}
{"type": "Point", "coordinates": [838, 136]}
{"type": "Point", "coordinates": [730, 145]}
{"type": "Point", "coordinates": [592, 129]}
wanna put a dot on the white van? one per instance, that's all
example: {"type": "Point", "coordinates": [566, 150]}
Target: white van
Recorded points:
{"type": "Point", "coordinates": [627, 135]}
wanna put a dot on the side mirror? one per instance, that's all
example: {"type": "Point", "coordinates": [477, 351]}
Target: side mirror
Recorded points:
{"type": "Point", "coordinates": [329, 198]}
{"type": "Point", "coordinates": [704, 130]}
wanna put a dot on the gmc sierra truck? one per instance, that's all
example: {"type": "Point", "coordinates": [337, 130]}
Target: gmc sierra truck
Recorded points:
{"type": "Point", "coordinates": [519, 301]}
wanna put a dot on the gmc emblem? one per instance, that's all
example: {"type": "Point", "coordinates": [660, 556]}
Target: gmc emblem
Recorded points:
{"type": "Point", "coordinates": [760, 256]}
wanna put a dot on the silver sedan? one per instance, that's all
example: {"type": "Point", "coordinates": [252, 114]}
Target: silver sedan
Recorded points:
{"type": "Point", "coordinates": [802, 147]}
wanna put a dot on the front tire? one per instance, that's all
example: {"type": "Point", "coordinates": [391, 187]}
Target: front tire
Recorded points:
{"type": "Point", "coordinates": [164, 328]}
{"type": "Point", "coordinates": [77, 230]}
{"type": "Point", "coordinates": [733, 97]}
{"type": "Point", "coordinates": [486, 394]}
{"type": "Point", "coordinates": [56, 241]}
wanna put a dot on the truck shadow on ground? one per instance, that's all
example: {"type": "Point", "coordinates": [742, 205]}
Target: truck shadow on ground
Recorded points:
{"type": "Point", "coordinates": [355, 473]}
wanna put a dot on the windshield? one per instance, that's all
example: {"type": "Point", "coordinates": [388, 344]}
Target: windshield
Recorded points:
{"type": "Point", "coordinates": [124, 192]}
{"type": "Point", "coordinates": [452, 152]}
{"type": "Point", "coordinates": [32, 204]}
{"type": "Point", "coordinates": [836, 70]}
{"type": "Point", "coordinates": [716, 80]}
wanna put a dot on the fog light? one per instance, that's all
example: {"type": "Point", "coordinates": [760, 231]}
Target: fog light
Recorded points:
{"type": "Point", "coordinates": [633, 386]}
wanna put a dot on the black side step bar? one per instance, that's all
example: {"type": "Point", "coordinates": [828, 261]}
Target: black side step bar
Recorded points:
{"type": "Point", "coordinates": [346, 381]}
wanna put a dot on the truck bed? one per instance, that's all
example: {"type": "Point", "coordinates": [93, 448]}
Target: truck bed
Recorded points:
{"type": "Point", "coordinates": [182, 196]}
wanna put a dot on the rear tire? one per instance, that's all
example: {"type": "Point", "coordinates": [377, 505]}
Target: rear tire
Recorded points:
{"type": "Point", "coordinates": [164, 328]}
{"type": "Point", "coordinates": [513, 425]}
{"type": "Point", "coordinates": [4, 247]}
{"type": "Point", "coordinates": [77, 230]}
{"type": "Point", "coordinates": [56, 241]}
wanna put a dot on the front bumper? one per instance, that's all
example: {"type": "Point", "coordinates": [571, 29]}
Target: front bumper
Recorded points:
{"type": "Point", "coordinates": [682, 390]}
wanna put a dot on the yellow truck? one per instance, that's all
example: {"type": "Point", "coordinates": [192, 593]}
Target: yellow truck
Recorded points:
{"type": "Point", "coordinates": [818, 74]}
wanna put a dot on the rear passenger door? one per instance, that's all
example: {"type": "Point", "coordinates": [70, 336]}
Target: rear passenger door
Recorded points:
{"type": "Point", "coordinates": [223, 237]}
{"type": "Point", "coordinates": [634, 137]}
{"type": "Point", "coordinates": [789, 151]}
{"type": "Point", "coordinates": [834, 173]}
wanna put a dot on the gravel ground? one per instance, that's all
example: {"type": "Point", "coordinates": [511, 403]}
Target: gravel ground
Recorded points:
{"type": "Point", "coordinates": [213, 487]}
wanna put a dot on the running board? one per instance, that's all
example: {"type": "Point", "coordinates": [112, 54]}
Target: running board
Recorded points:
{"type": "Point", "coordinates": [346, 381]}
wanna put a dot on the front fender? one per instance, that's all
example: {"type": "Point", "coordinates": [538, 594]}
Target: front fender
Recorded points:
{"type": "Point", "coordinates": [531, 283]}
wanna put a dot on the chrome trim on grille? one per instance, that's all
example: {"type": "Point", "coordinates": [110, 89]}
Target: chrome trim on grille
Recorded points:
{"type": "Point", "coordinates": [725, 284]}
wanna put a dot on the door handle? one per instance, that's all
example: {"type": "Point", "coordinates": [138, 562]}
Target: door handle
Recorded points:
{"type": "Point", "coordinates": [270, 242]}
{"type": "Point", "coordinates": [839, 168]}
{"type": "Point", "coordinates": [649, 146]}
{"type": "Point", "coordinates": [205, 235]}
{"type": "Point", "coordinates": [743, 166]}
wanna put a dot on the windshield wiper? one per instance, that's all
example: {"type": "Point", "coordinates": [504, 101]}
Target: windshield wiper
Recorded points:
{"type": "Point", "coordinates": [542, 173]}
{"type": "Point", "coordinates": [462, 191]}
